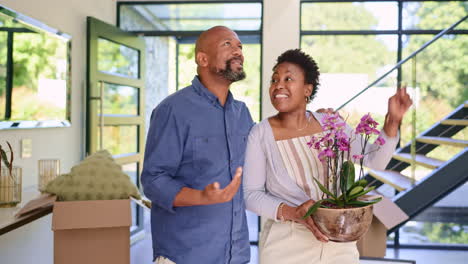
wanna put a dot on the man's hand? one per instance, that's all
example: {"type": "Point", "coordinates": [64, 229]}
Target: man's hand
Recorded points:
{"type": "Point", "coordinates": [398, 104]}
{"type": "Point", "coordinates": [212, 194]}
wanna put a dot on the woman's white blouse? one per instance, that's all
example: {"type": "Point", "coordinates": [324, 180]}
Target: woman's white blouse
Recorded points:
{"type": "Point", "coordinates": [266, 182]}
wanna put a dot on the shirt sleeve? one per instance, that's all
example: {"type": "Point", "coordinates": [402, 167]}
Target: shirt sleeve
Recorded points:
{"type": "Point", "coordinates": [163, 154]}
{"type": "Point", "coordinates": [378, 156]}
{"type": "Point", "coordinates": [256, 198]}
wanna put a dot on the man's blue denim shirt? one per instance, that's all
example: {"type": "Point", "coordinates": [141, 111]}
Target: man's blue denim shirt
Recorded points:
{"type": "Point", "coordinates": [193, 141]}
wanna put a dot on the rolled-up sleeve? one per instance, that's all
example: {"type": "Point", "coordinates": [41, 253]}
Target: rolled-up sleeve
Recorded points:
{"type": "Point", "coordinates": [163, 154]}
{"type": "Point", "coordinates": [256, 198]}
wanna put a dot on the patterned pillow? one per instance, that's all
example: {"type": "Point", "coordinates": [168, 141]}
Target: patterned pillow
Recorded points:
{"type": "Point", "coordinates": [97, 177]}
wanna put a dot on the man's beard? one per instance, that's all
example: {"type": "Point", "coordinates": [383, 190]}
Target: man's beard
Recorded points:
{"type": "Point", "coordinates": [231, 75]}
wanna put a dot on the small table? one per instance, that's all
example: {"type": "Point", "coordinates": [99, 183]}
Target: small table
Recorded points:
{"type": "Point", "coordinates": [9, 222]}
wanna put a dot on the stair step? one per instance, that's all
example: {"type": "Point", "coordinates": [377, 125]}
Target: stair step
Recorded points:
{"type": "Point", "coordinates": [455, 122]}
{"type": "Point", "coordinates": [443, 141]}
{"type": "Point", "coordinates": [422, 160]}
{"type": "Point", "coordinates": [395, 179]}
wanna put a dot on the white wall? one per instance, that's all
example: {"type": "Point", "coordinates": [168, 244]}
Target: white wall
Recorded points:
{"type": "Point", "coordinates": [280, 33]}
{"type": "Point", "coordinates": [66, 144]}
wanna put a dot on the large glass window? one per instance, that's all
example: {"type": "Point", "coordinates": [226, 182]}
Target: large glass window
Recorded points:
{"type": "Point", "coordinates": [356, 42]}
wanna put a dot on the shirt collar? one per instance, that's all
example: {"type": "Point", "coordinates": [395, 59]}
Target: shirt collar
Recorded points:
{"type": "Point", "coordinates": [204, 92]}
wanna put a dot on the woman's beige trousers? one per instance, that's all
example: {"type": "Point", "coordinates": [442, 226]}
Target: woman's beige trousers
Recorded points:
{"type": "Point", "coordinates": [292, 243]}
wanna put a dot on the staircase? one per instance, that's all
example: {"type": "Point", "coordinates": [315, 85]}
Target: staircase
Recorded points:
{"type": "Point", "coordinates": [414, 197]}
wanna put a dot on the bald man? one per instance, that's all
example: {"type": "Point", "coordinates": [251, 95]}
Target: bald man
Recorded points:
{"type": "Point", "coordinates": [193, 161]}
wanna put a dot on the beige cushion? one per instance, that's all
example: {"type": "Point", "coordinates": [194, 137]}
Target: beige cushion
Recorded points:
{"type": "Point", "coordinates": [97, 177]}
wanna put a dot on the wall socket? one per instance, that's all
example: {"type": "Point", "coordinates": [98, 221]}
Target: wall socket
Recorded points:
{"type": "Point", "coordinates": [26, 148]}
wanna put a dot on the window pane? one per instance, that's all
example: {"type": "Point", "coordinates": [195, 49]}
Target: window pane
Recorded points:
{"type": "Point", "coordinates": [117, 59]}
{"type": "Point", "coordinates": [444, 223]}
{"type": "Point", "coordinates": [120, 100]}
{"type": "Point", "coordinates": [131, 170]}
{"type": "Point", "coordinates": [247, 90]}
{"type": "Point", "coordinates": [3, 56]}
{"type": "Point", "coordinates": [120, 139]}
{"type": "Point", "coordinates": [434, 15]}
{"type": "Point", "coordinates": [441, 77]}
{"type": "Point", "coordinates": [252, 223]}
{"type": "Point", "coordinates": [160, 75]}
{"type": "Point", "coordinates": [347, 65]}
{"type": "Point", "coordinates": [349, 16]}
{"type": "Point", "coordinates": [197, 16]}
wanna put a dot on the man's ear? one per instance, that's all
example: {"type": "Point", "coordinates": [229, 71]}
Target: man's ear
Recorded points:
{"type": "Point", "coordinates": [201, 59]}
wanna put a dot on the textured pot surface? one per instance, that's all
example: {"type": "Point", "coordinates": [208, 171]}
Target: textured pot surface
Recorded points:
{"type": "Point", "coordinates": [343, 225]}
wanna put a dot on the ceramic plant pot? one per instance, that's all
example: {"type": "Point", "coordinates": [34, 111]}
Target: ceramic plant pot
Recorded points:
{"type": "Point", "coordinates": [343, 225]}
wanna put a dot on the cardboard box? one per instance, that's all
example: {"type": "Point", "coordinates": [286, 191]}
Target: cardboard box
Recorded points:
{"type": "Point", "coordinates": [92, 232]}
{"type": "Point", "coordinates": [386, 215]}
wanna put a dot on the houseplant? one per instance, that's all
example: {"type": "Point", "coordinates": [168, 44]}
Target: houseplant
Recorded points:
{"type": "Point", "coordinates": [10, 178]}
{"type": "Point", "coordinates": [345, 211]}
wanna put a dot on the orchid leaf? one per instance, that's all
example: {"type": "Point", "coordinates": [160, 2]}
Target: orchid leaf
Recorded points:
{"type": "Point", "coordinates": [323, 189]}
{"type": "Point", "coordinates": [348, 172]}
{"type": "Point", "coordinates": [364, 203]}
{"type": "Point", "coordinates": [330, 201]}
{"type": "Point", "coordinates": [4, 157]}
{"type": "Point", "coordinates": [312, 209]}
{"type": "Point", "coordinates": [361, 193]}
{"type": "Point", "coordinates": [10, 167]}
{"type": "Point", "coordinates": [355, 190]}
{"type": "Point", "coordinates": [361, 182]}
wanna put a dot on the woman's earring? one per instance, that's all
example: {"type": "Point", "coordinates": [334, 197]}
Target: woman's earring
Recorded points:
{"type": "Point", "coordinates": [307, 99]}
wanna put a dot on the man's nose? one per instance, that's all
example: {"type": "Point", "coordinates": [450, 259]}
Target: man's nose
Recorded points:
{"type": "Point", "coordinates": [237, 52]}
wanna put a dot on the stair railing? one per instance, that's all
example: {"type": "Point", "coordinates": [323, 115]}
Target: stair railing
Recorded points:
{"type": "Point", "coordinates": [414, 83]}
{"type": "Point", "coordinates": [400, 63]}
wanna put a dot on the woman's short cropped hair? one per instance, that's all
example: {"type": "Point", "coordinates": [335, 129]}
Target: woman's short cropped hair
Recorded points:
{"type": "Point", "coordinates": [306, 63]}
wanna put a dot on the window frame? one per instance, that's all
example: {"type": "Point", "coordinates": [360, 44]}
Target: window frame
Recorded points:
{"type": "Point", "coordinates": [399, 32]}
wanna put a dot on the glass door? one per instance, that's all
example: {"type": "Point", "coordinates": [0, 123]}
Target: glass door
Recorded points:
{"type": "Point", "coordinates": [115, 100]}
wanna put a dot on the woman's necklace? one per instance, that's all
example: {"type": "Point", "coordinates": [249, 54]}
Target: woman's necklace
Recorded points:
{"type": "Point", "coordinates": [307, 122]}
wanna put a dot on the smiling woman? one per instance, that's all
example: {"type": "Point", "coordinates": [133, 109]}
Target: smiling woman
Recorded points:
{"type": "Point", "coordinates": [34, 73]}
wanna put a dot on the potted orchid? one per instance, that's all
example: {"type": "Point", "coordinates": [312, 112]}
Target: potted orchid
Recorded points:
{"type": "Point", "coordinates": [345, 211]}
